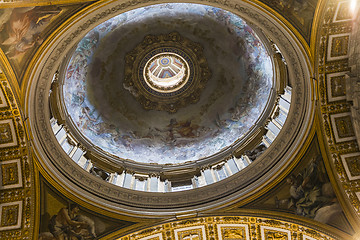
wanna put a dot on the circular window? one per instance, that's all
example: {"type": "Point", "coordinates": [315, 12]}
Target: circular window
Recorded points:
{"type": "Point", "coordinates": [166, 72]}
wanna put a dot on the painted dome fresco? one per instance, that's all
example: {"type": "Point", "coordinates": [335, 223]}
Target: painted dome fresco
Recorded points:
{"type": "Point", "coordinates": [168, 83]}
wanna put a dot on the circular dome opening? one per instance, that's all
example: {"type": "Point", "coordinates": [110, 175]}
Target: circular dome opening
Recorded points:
{"type": "Point", "coordinates": [166, 72]}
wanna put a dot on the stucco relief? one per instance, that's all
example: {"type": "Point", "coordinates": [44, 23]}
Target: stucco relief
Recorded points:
{"type": "Point", "coordinates": [61, 218]}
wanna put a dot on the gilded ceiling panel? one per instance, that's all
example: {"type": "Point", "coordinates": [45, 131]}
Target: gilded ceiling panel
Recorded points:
{"type": "Point", "coordinates": [17, 187]}
{"type": "Point", "coordinates": [337, 119]}
{"type": "Point", "coordinates": [227, 228]}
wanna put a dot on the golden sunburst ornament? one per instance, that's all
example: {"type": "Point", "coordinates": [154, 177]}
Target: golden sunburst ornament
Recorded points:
{"type": "Point", "coordinates": [166, 72]}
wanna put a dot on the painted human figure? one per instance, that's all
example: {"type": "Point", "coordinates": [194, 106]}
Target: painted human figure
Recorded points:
{"type": "Point", "coordinates": [66, 226]}
{"type": "Point", "coordinates": [22, 28]}
{"type": "Point", "coordinates": [182, 129]}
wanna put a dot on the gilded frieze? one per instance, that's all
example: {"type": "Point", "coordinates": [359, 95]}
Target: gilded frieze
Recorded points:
{"type": "Point", "coordinates": [228, 228]}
